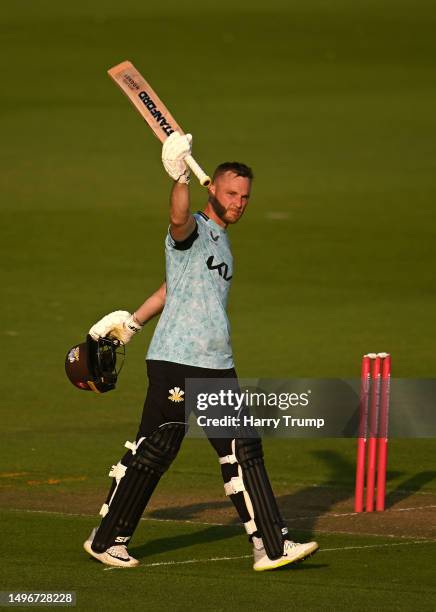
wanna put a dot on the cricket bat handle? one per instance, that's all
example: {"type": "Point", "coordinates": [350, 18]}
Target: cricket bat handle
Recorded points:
{"type": "Point", "coordinates": [198, 171]}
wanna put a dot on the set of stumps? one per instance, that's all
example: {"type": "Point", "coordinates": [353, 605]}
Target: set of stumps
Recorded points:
{"type": "Point", "coordinates": [372, 440]}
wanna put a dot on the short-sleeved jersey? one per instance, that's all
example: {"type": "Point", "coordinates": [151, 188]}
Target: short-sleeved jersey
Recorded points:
{"type": "Point", "coordinates": [193, 328]}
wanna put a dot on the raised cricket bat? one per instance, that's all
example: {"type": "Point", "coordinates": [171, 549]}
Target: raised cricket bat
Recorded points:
{"type": "Point", "coordinates": [152, 109]}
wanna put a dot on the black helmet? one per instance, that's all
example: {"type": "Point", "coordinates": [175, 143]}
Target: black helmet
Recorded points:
{"type": "Point", "coordinates": [92, 365]}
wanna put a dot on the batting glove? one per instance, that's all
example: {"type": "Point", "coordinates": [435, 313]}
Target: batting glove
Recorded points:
{"type": "Point", "coordinates": [175, 148]}
{"type": "Point", "coordinates": [119, 324]}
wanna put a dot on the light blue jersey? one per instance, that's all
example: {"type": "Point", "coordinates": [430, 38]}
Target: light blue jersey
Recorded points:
{"type": "Point", "coordinates": [193, 328]}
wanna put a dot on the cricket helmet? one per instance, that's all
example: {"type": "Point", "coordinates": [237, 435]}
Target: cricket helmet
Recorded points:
{"type": "Point", "coordinates": [92, 365]}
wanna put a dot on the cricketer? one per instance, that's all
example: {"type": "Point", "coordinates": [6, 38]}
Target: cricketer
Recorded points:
{"type": "Point", "coordinates": [191, 340]}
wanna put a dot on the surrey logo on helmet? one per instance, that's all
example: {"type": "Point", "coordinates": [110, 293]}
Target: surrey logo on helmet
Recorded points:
{"type": "Point", "coordinates": [94, 365]}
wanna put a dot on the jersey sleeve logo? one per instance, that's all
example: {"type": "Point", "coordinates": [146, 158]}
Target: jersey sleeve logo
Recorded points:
{"type": "Point", "coordinates": [223, 268]}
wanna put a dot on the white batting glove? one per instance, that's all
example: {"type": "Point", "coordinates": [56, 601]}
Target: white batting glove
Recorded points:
{"type": "Point", "coordinates": [175, 148]}
{"type": "Point", "coordinates": [119, 324]}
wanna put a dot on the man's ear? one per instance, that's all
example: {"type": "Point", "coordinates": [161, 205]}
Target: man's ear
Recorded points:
{"type": "Point", "coordinates": [212, 189]}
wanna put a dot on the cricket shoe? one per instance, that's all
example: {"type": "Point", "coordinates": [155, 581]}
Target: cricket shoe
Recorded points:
{"type": "Point", "coordinates": [117, 556]}
{"type": "Point", "coordinates": [292, 553]}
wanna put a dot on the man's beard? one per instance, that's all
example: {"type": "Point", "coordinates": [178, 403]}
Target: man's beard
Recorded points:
{"type": "Point", "coordinates": [220, 211]}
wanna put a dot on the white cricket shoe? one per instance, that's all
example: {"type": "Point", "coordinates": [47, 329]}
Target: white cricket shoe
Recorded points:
{"type": "Point", "coordinates": [116, 556]}
{"type": "Point", "coordinates": [292, 553]}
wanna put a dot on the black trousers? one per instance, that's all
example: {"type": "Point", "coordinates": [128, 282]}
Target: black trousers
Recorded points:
{"type": "Point", "coordinates": [165, 376]}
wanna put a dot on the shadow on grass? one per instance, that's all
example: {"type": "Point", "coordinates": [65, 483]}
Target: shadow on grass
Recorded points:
{"type": "Point", "coordinates": [205, 536]}
{"type": "Point", "coordinates": [301, 509]}
{"type": "Point", "coordinates": [408, 487]}
{"type": "Point", "coordinates": [187, 540]}
{"type": "Point", "coordinates": [292, 505]}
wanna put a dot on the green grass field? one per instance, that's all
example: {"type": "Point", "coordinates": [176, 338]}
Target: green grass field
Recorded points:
{"type": "Point", "coordinates": [176, 575]}
{"type": "Point", "coordinates": [332, 104]}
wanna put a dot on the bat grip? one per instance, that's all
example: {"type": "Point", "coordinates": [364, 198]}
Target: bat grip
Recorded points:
{"type": "Point", "coordinates": [198, 171]}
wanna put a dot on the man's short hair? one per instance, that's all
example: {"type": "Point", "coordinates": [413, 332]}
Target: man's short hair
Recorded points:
{"type": "Point", "coordinates": [235, 167]}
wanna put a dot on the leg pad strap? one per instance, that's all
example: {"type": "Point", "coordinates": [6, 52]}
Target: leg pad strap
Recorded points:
{"type": "Point", "coordinates": [235, 485]}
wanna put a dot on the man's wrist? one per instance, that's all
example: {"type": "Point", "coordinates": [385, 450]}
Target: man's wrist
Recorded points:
{"type": "Point", "coordinates": [137, 321]}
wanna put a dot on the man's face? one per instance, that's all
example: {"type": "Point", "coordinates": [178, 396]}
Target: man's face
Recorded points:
{"type": "Point", "coordinates": [229, 195]}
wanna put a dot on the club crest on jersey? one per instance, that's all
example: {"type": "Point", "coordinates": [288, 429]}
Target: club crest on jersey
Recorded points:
{"type": "Point", "coordinates": [73, 355]}
{"type": "Point", "coordinates": [176, 394]}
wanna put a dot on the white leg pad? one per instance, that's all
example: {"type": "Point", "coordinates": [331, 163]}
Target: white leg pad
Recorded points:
{"type": "Point", "coordinates": [228, 459]}
{"type": "Point", "coordinates": [247, 499]}
{"type": "Point", "coordinates": [250, 527]}
{"type": "Point", "coordinates": [234, 485]}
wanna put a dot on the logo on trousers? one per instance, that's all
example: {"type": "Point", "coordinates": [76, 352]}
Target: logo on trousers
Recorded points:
{"type": "Point", "coordinates": [176, 394]}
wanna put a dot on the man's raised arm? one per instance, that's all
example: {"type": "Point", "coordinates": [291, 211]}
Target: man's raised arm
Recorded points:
{"type": "Point", "coordinates": [182, 221]}
{"type": "Point", "coordinates": [175, 149]}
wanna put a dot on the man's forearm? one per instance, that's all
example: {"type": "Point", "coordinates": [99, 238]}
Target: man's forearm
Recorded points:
{"type": "Point", "coordinates": [182, 221]}
{"type": "Point", "coordinates": [152, 306]}
{"type": "Point", "coordinates": [179, 204]}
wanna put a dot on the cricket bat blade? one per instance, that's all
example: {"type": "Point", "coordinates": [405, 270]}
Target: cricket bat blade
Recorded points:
{"type": "Point", "coordinates": [152, 109]}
